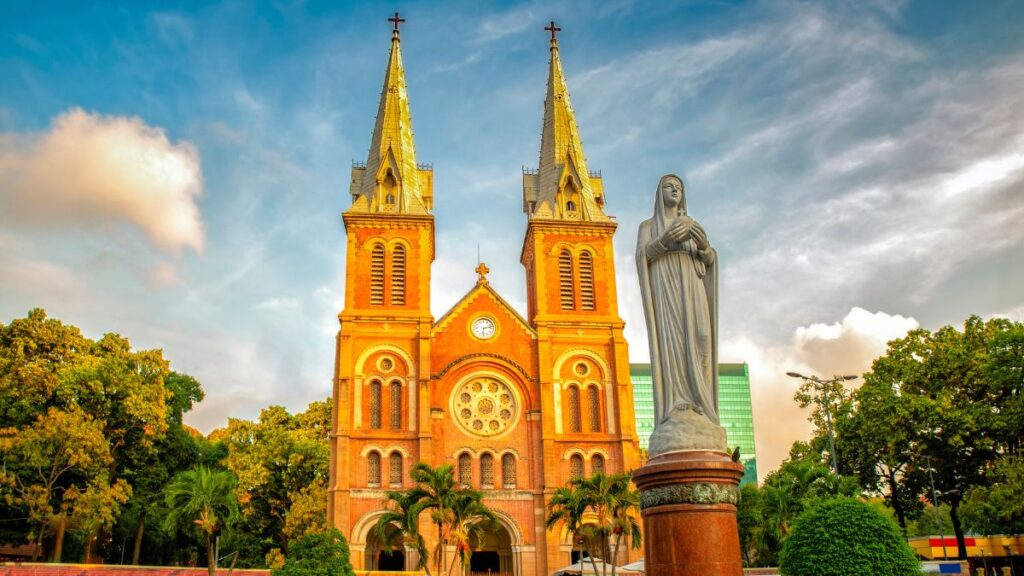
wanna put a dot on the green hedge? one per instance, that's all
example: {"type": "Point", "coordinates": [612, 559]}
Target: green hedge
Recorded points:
{"type": "Point", "coordinates": [845, 537]}
{"type": "Point", "coordinates": [318, 554]}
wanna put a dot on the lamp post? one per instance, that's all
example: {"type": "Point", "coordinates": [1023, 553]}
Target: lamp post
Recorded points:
{"type": "Point", "coordinates": [826, 406]}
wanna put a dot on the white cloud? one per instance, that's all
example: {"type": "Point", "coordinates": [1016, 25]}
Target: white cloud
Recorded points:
{"type": "Point", "coordinates": [98, 171]}
{"type": "Point", "coordinates": [278, 303]}
{"type": "Point", "coordinates": [823, 349]}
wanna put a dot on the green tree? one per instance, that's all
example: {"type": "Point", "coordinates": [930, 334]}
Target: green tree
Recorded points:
{"type": "Point", "coordinates": [51, 375]}
{"type": "Point", "coordinates": [998, 507]}
{"type": "Point", "coordinates": [614, 504]}
{"type": "Point", "coordinates": [436, 491]}
{"type": "Point", "coordinates": [203, 501]}
{"type": "Point", "coordinates": [958, 409]}
{"type": "Point", "coordinates": [881, 448]}
{"type": "Point", "coordinates": [400, 525]}
{"type": "Point", "coordinates": [748, 520]}
{"type": "Point", "coordinates": [469, 517]}
{"type": "Point", "coordinates": [845, 536]}
{"type": "Point", "coordinates": [317, 554]}
{"type": "Point", "coordinates": [282, 463]}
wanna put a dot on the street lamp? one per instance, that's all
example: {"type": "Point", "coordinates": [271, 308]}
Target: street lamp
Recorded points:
{"type": "Point", "coordinates": [824, 403]}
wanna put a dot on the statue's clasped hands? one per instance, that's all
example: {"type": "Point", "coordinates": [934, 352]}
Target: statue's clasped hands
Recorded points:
{"type": "Point", "coordinates": [684, 228]}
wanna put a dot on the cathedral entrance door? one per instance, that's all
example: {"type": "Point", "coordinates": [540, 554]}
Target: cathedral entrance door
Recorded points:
{"type": "Point", "coordinates": [492, 552]}
{"type": "Point", "coordinates": [382, 557]}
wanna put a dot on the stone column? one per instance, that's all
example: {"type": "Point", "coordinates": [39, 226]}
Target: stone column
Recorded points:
{"type": "Point", "coordinates": [688, 506]}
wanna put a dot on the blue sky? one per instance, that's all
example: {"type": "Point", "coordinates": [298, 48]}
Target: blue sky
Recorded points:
{"type": "Point", "coordinates": [175, 172]}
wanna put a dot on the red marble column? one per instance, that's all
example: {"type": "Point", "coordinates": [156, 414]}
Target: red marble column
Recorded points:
{"type": "Point", "coordinates": [688, 505]}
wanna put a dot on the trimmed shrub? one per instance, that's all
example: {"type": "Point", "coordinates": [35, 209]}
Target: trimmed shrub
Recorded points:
{"type": "Point", "coordinates": [317, 554]}
{"type": "Point", "coordinates": [848, 538]}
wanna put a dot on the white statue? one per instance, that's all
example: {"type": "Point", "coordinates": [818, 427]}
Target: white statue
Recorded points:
{"type": "Point", "coordinates": [678, 275]}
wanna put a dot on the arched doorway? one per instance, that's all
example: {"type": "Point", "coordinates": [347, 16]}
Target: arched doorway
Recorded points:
{"type": "Point", "coordinates": [492, 552]}
{"type": "Point", "coordinates": [381, 556]}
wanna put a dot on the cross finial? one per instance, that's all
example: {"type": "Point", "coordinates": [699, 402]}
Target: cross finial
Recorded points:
{"type": "Point", "coordinates": [482, 271]}
{"type": "Point", "coordinates": [554, 30]}
{"type": "Point", "coordinates": [396, 20]}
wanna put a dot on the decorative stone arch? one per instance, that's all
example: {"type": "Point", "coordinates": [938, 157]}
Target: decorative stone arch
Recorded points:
{"type": "Point", "coordinates": [373, 241]}
{"type": "Point", "coordinates": [384, 450]}
{"type": "Point", "coordinates": [604, 453]}
{"type": "Point", "coordinates": [391, 243]}
{"type": "Point", "coordinates": [408, 380]}
{"type": "Point", "coordinates": [604, 383]}
{"type": "Point", "coordinates": [574, 451]}
{"type": "Point", "coordinates": [510, 524]}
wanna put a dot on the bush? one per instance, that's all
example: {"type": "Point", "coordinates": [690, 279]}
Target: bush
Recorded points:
{"type": "Point", "coordinates": [846, 537]}
{"type": "Point", "coordinates": [317, 554]}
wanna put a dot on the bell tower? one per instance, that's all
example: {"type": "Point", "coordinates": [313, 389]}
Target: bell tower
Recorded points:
{"type": "Point", "coordinates": [383, 346]}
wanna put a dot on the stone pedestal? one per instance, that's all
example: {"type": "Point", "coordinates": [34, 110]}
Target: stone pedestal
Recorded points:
{"type": "Point", "coordinates": [688, 505]}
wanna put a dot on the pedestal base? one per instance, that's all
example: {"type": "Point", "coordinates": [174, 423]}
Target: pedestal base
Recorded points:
{"type": "Point", "coordinates": [688, 506]}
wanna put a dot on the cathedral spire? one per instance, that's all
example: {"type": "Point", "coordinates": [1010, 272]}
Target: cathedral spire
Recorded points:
{"type": "Point", "coordinates": [561, 188]}
{"type": "Point", "coordinates": [390, 180]}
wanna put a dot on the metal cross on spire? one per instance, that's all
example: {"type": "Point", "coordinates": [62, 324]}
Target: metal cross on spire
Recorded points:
{"type": "Point", "coordinates": [396, 20]}
{"type": "Point", "coordinates": [553, 29]}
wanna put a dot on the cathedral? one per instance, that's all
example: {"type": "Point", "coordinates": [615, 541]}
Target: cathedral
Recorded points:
{"type": "Point", "coordinates": [518, 405]}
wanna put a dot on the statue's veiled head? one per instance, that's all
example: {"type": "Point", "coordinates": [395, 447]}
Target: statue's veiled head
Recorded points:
{"type": "Point", "coordinates": [670, 198]}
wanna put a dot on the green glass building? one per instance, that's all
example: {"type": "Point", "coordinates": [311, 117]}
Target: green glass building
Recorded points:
{"type": "Point", "coordinates": [734, 410]}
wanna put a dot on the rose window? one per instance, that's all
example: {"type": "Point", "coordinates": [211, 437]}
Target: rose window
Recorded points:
{"type": "Point", "coordinates": [484, 406]}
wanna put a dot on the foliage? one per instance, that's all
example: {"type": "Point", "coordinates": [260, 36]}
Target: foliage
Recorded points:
{"type": "Point", "coordinates": [614, 505]}
{"type": "Point", "coordinates": [282, 463]}
{"type": "Point", "coordinates": [399, 525]}
{"type": "Point", "coordinates": [932, 521]}
{"type": "Point", "coordinates": [317, 554]}
{"type": "Point", "coordinates": [766, 514]}
{"type": "Point", "coordinates": [998, 508]}
{"type": "Point", "coordinates": [203, 501]}
{"type": "Point", "coordinates": [845, 536]}
{"type": "Point", "coordinates": [456, 510]}
{"type": "Point", "coordinates": [76, 417]}
{"type": "Point", "coordinates": [943, 405]}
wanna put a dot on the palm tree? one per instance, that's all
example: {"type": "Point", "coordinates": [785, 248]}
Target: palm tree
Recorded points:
{"type": "Point", "coordinates": [202, 499]}
{"type": "Point", "coordinates": [469, 517]}
{"type": "Point", "coordinates": [568, 504]}
{"type": "Point", "coordinates": [400, 523]}
{"type": "Point", "coordinates": [435, 490]}
{"type": "Point", "coordinates": [614, 505]}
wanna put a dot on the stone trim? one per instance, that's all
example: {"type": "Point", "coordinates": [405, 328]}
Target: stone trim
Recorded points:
{"type": "Point", "coordinates": [691, 493]}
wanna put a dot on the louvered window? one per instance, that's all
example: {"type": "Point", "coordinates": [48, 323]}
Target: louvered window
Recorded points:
{"type": "Point", "coordinates": [587, 281]}
{"type": "Point", "coordinates": [597, 465]}
{"type": "Point", "coordinates": [396, 469]}
{"type": "Point", "coordinates": [565, 280]}
{"type": "Point", "coordinates": [465, 469]}
{"type": "Point", "coordinates": [594, 405]}
{"type": "Point", "coordinates": [377, 275]}
{"type": "Point", "coordinates": [508, 471]}
{"type": "Point", "coordinates": [576, 466]}
{"type": "Point", "coordinates": [396, 405]}
{"type": "Point", "coordinates": [574, 410]}
{"type": "Point", "coordinates": [373, 469]}
{"type": "Point", "coordinates": [487, 471]}
{"type": "Point", "coordinates": [398, 275]}
{"type": "Point", "coordinates": [375, 404]}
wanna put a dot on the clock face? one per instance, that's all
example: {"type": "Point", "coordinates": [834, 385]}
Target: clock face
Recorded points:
{"type": "Point", "coordinates": [483, 328]}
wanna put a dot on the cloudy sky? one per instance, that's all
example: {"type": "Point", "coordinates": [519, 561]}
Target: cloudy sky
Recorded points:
{"type": "Point", "coordinates": [177, 175]}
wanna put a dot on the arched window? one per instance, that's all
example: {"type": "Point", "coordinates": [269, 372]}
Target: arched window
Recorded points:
{"type": "Point", "coordinates": [568, 299]}
{"type": "Point", "coordinates": [587, 281]}
{"type": "Point", "coordinates": [465, 469]}
{"type": "Point", "coordinates": [597, 464]}
{"type": "Point", "coordinates": [396, 405]}
{"type": "Point", "coordinates": [487, 471]}
{"type": "Point", "coordinates": [398, 275]}
{"type": "Point", "coordinates": [508, 471]}
{"type": "Point", "coordinates": [576, 466]}
{"type": "Point", "coordinates": [395, 466]}
{"type": "Point", "coordinates": [377, 275]}
{"type": "Point", "coordinates": [375, 404]}
{"type": "Point", "coordinates": [575, 424]}
{"type": "Point", "coordinates": [373, 469]}
{"type": "Point", "coordinates": [594, 406]}
{"type": "Point", "coordinates": [570, 206]}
